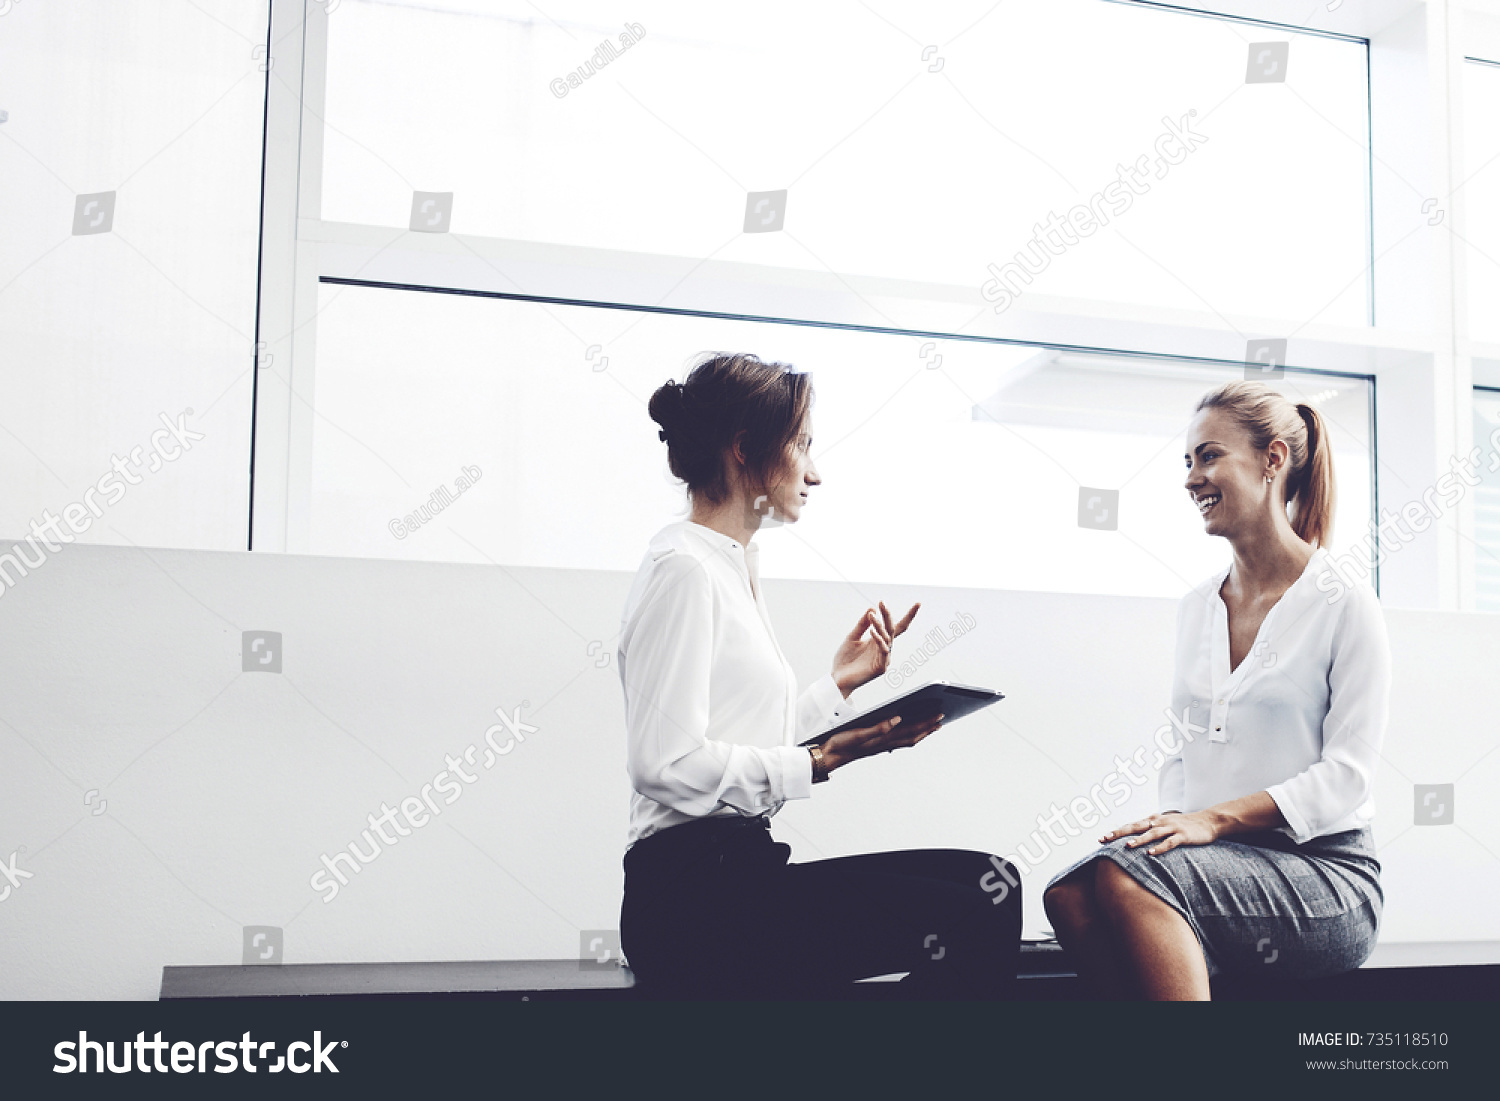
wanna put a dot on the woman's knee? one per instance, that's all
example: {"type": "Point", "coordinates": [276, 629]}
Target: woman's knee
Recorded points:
{"type": "Point", "coordinates": [1116, 890]}
{"type": "Point", "coordinates": [1069, 904]}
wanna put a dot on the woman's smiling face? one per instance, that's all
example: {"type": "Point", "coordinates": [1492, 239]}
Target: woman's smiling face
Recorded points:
{"type": "Point", "coordinates": [1226, 473]}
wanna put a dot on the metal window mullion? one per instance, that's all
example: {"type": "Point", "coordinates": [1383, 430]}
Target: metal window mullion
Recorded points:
{"type": "Point", "coordinates": [281, 475]}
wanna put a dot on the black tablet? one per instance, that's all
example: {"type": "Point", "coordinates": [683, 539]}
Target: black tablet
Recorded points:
{"type": "Point", "coordinates": [952, 701]}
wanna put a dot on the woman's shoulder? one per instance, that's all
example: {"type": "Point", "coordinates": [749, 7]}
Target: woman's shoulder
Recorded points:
{"type": "Point", "coordinates": [676, 540]}
{"type": "Point", "coordinates": [1341, 587]}
{"type": "Point", "coordinates": [671, 572]}
{"type": "Point", "coordinates": [673, 554]}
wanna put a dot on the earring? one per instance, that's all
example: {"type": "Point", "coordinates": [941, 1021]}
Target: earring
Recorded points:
{"type": "Point", "coordinates": [1268, 477]}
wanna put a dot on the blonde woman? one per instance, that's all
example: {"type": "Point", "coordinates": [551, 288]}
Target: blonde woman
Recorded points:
{"type": "Point", "coordinates": [1260, 860]}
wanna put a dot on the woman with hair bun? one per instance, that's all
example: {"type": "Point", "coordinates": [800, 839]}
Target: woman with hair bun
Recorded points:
{"type": "Point", "coordinates": [1261, 860]}
{"type": "Point", "coordinates": [712, 906]}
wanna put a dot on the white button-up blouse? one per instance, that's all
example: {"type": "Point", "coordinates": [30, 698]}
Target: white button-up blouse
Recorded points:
{"type": "Point", "coordinates": [711, 705]}
{"type": "Point", "coordinates": [1302, 717]}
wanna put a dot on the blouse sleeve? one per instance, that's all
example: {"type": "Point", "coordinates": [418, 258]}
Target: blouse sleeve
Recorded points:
{"type": "Point", "coordinates": [817, 706]}
{"type": "Point", "coordinates": [1171, 781]}
{"type": "Point", "coordinates": [666, 677]}
{"type": "Point", "coordinates": [1359, 679]}
{"type": "Point", "coordinates": [1170, 786]}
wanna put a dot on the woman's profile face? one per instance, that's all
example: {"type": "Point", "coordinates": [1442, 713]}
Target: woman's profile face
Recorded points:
{"type": "Point", "coordinates": [788, 491]}
{"type": "Point", "coordinates": [1226, 474]}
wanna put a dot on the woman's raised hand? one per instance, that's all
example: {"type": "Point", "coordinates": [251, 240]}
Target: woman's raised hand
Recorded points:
{"type": "Point", "coordinates": [866, 741]}
{"type": "Point", "coordinates": [860, 660]}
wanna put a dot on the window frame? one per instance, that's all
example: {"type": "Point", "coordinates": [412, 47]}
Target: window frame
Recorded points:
{"type": "Point", "coordinates": [1425, 376]}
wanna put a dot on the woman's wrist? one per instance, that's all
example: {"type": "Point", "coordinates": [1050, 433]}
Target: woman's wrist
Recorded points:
{"type": "Point", "coordinates": [819, 763]}
{"type": "Point", "coordinates": [1244, 815]}
{"type": "Point", "coordinates": [1219, 824]}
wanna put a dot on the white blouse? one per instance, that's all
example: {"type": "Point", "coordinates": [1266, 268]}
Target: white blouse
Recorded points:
{"type": "Point", "coordinates": [1303, 716]}
{"type": "Point", "coordinates": [711, 705]}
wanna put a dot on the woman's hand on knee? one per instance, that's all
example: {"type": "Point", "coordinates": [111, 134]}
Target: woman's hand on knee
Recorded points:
{"type": "Point", "coordinates": [1167, 831]}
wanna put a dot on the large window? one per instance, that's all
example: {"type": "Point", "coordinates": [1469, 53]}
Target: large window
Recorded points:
{"type": "Point", "coordinates": [1060, 198]}
{"type": "Point", "coordinates": [907, 180]}
{"type": "Point", "coordinates": [915, 142]}
{"type": "Point", "coordinates": [469, 429]}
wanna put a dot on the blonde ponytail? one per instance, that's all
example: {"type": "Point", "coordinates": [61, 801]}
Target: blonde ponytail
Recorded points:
{"type": "Point", "coordinates": [1311, 488]}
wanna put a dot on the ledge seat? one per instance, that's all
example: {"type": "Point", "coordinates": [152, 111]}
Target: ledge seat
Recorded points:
{"type": "Point", "coordinates": [1045, 975]}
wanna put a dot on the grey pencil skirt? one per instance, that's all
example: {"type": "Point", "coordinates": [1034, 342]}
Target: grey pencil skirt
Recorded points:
{"type": "Point", "coordinates": [1262, 903]}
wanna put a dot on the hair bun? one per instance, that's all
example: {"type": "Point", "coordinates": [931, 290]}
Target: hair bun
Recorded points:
{"type": "Point", "coordinates": [666, 407]}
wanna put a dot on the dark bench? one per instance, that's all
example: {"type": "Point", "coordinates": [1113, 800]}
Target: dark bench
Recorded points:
{"type": "Point", "coordinates": [1045, 975]}
{"type": "Point", "coordinates": [514, 979]}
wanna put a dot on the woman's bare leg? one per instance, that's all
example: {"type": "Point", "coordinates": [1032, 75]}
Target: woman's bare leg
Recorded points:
{"type": "Point", "coordinates": [1084, 932]}
{"type": "Point", "coordinates": [1161, 948]}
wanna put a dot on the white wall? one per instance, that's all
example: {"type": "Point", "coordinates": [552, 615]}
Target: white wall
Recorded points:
{"type": "Point", "coordinates": [122, 673]}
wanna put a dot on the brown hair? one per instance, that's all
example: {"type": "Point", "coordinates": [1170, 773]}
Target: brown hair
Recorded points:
{"type": "Point", "coordinates": [1268, 416]}
{"type": "Point", "coordinates": [724, 395]}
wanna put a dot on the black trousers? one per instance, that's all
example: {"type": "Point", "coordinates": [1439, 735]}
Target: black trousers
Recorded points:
{"type": "Point", "coordinates": [713, 909]}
